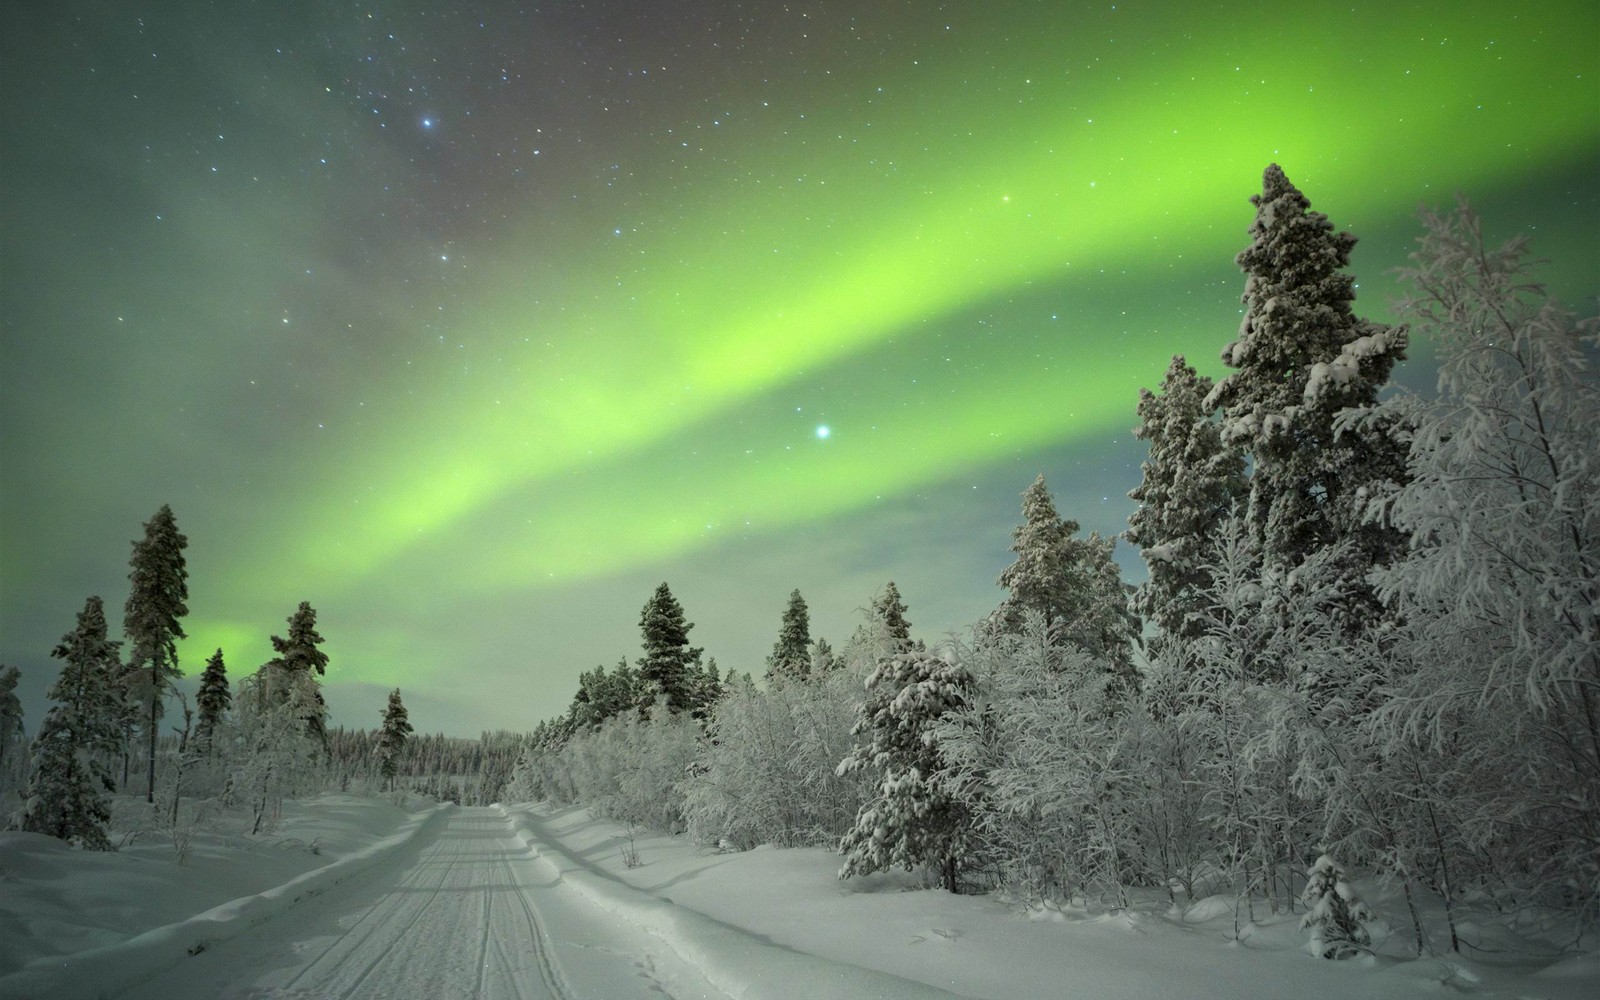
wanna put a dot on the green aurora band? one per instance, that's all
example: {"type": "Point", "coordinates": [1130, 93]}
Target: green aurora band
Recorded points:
{"type": "Point", "coordinates": [634, 394]}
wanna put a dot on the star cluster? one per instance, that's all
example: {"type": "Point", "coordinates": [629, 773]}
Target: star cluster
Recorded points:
{"type": "Point", "coordinates": [471, 325]}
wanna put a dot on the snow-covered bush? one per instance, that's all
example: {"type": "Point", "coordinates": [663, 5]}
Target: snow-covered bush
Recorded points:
{"type": "Point", "coordinates": [767, 774]}
{"type": "Point", "coordinates": [631, 770]}
{"type": "Point", "coordinates": [267, 745]}
{"type": "Point", "coordinates": [1041, 757]}
{"type": "Point", "coordinates": [1500, 591]}
{"type": "Point", "coordinates": [1335, 915]}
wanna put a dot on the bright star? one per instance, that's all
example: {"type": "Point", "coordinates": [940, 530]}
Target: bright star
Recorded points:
{"type": "Point", "coordinates": [823, 431]}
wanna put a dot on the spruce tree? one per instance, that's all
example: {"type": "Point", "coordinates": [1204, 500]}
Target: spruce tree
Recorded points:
{"type": "Point", "coordinates": [78, 734]}
{"type": "Point", "coordinates": [63, 798]}
{"type": "Point", "coordinates": [791, 657]}
{"type": "Point", "coordinates": [1071, 582]}
{"type": "Point", "coordinates": [299, 658]}
{"type": "Point", "coordinates": [889, 611]}
{"type": "Point", "coordinates": [1302, 356]}
{"type": "Point", "coordinates": [669, 660]}
{"type": "Point", "coordinates": [1191, 481]}
{"type": "Point", "coordinates": [392, 738]}
{"type": "Point", "coordinates": [158, 591]}
{"type": "Point", "coordinates": [1335, 915]}
{"type": "Point", "coordinates": [915, 818]}
{"type": "Point", "coordinates": [213, 700]}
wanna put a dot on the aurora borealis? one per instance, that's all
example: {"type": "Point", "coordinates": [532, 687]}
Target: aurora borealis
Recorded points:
{"type": "Point", "coordinates": [471, 326]}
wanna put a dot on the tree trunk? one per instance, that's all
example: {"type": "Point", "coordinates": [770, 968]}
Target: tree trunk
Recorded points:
{"type": "Point", "coordinates": [155, 705]}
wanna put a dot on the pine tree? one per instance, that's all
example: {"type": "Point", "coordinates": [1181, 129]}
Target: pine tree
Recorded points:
{"type": "Point", "coordinates": [791, 659]}
{"type": "Point", "coordinates": [299, 657]}
{"type": "Point", "coordinates": [668, 659]}
{"type": "Point", "coordinates": [1300, 358]}
{"type": "Point", "coordinates": [86, 686]}
{"type": "Point", "coordinates": [156, 601]}
{"type": "Point", "coordinates": [213, 700]}
{"type": "Point", "coordinates": [13, 748]}
{"type": "Point", "coordinates": [915, 819]}
{"type": "Point", "coordinates": [1190, 482]}
{"type": "Point", "coordinates": [889, 612]}
{"type": "Point", "coordinates": [392, 738]}
{"type": "Point", "coordinates": [1073, 583]}
{"type": "Point", "coordinates": [79, 733]}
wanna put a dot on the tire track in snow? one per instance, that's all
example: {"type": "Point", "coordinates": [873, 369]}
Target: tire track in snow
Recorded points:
{"type": "Point", "coordinates": [398, 898]}
{"type": "Point", "coordinates": [543, 946]}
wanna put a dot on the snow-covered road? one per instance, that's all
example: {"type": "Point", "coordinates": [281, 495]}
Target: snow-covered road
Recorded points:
{"type": "Point", "coordinates": [464, 911]}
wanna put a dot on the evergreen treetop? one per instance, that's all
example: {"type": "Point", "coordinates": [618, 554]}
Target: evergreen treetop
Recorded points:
{"type": "Point", "coordinates": [1300, 357]}
{"type": "Point", "coordinates": [157, 600]}
{"type": "Point", "coordinates": [890, 612]}
{"type": "Point", "coordinates": [668, 659]}
{"type": "Point", "coordinates": [85, 690]}
{"type": "Point", "coordinates": [791, 656]}
{"type": "Point", "coordinates": [213, 699]}
{"type": "Point", "coordinates": [299, 660]}
{"type": "Point", "coordinates": [1072, 583]}
{"type": "Point", "coordinates": [299, 653]}
{"type": "Point", "coordinates": [392, 737]}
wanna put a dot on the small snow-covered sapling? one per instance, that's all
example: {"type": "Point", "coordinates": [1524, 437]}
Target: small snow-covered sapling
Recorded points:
{"type": "Point", "coordinates": [1335, 915]}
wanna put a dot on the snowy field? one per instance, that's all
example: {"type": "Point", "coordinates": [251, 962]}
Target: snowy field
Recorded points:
{"type": "Point", "coordinates": [354, 897]}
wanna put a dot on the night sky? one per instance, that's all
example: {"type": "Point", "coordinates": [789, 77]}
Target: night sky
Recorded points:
{"type": "Point", "coordinates": [470, 326]}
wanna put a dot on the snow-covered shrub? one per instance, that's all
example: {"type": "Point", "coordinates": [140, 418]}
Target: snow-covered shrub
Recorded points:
{"type": "Point", "coordinates": [268, 745]}
{"type": "Point", "coordinates": [768, 771]}
{"type": "Point", "coordinates": [1335, 915]}
{"type": "Point", "coordinates": [1500, 591]}
{"type": "Point", "coordinates": [631, 770]}
{"type": "Point", "coordinates": [1039, 754]}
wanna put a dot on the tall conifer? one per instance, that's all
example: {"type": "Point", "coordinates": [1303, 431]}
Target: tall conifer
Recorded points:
{"type": "Point", "coordinates": [392, 737]}
{"type": "Point", "coordinates": [1301, 356]}
{"type": "Point", "coordinates": [298, 657]}
{"type": "Point", "coordinates": [791, 655]}
{"type": "Point", "coordinates": [78, 734]}
{"type": "Point", "coordinates": [213, 700]}
{"type": "Point", "coordinates": [669, 661]}
{"type": "Point", "coordinates": [1191, 480]}
{"type": "Point", "coordinates": [157, 594]}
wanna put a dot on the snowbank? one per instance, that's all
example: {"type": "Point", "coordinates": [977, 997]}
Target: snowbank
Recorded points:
{"type": "Point", "coordinates": [743, 965]}
{"type": "Point", "coordinates": [776, 924]}
{"type": "Point", "coordinates": [37, 867]}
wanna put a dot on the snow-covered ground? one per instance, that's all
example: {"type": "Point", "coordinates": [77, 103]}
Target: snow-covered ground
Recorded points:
{"type": "Point", "coordinates": [360, 898]}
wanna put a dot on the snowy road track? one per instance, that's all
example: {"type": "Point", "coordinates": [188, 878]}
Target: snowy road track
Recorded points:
{"type": "Point", "coordinates": [464, 912]}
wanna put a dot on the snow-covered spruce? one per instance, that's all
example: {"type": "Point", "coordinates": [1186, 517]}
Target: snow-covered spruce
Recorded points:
{"type": "Point", "coordinates": [1301, 357]}
{"type": "Point", "coordinates": [914, 819]}
{"type": "Point", "coordinates": [1190, 481]}
{"type": "Point", "coordinates": [1335, 915]}
{"type": "Point", "coordinates": [79, 735]}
